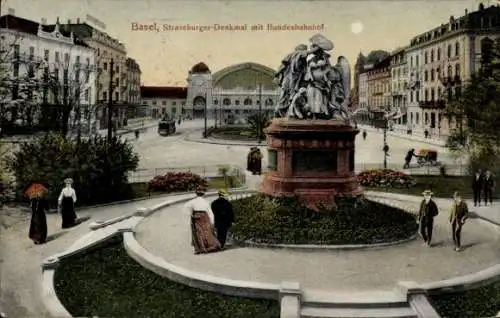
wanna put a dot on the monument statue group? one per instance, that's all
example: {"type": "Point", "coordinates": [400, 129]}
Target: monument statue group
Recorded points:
{"type": "Point", "coordinates": [311, 87]}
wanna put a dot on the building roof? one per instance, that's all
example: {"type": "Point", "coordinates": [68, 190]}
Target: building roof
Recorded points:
{"type": "Point", "coordinates": [200, 68]}
{"type": "Point", "coordinates": [12, 22]}
{"type": "Point", "coordinates": [163, 92]}
{"type": "Point", "coordinates": [376, 56]}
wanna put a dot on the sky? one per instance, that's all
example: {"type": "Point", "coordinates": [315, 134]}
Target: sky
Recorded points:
{"type": "Point", "coordinates": [165, 57]}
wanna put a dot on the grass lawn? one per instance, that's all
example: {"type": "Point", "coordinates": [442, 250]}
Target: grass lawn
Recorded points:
{"type": "Point", "coordinates": [266, 220]}
{"type": "Point", "coordinates": [140, 189]}
{"type": "Point", "coordinates": [106, 282]}
{"type": "Point", "coordinates": [480, 302]}
{"type": "Point", "coordinates": [442, 187]}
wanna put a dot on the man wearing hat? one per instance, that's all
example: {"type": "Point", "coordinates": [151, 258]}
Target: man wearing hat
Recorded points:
{"type": "Point", "coordinates": [202, 222]}
{"type": "Point", "coordinates": [428, 210]}
{"type": "Point", "coordinates": [458, 215]}
{"type": "Point", "coordinates": [224, 216]}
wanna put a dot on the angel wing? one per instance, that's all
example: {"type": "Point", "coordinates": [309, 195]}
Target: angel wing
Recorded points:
{"type": "Point", "coordinates": [345, 71]}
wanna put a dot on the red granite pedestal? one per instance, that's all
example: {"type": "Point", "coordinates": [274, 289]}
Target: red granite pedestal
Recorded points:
{"type": "Point", "coordinates": [311, 159]}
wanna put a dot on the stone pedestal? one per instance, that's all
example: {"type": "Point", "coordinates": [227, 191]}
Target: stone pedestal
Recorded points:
{"type": "Point", "coordinates": [311, 159]}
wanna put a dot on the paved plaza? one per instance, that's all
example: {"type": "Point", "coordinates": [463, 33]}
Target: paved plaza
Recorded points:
{"type": "Point", "coordinates": [20, 259]}
{"type": "Point", "coordinates": [167, 234]}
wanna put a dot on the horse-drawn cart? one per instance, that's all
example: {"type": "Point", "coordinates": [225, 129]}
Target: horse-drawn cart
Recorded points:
{"type": "Point", "coordinates": [427, 157]}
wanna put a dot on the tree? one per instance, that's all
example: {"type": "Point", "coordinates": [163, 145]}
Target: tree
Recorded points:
{"type": "Point", "coordinates": [258, 122]}
{"type": "Point", "coordinates": [477, 111]}
{"type": "Point", "coordinates": [63, 97]}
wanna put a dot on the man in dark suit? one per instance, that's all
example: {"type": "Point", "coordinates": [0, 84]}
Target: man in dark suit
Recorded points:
{"type": "Point", "coordinates": [223, 215]}
{"type": "Point", "coordinates": [488, 187]}
{"type": "Point", "coordinates": [477, 187]}
{"type": "Point", "coordinates": [428, 210]}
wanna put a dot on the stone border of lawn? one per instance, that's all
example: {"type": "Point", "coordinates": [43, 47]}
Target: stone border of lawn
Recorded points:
{"type": "Point", "coordinates": [221, 141]}
{"type": "Point", "coordinates": [147, 211]}
{"type": "Point", "coordinates": [290, 294]}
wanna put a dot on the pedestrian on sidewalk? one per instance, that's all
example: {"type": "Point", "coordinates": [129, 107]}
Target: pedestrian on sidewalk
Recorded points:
{"type": "Point", "coordinates": [66, 203]}
{"type": "Point", "coordinates": [408, 158]}
{"type": "Point", "coordinates": [202, 224]}
{"type": "Point", "coordinates": [458, 214]}
{"type": "Point", "coordinates": [38, 224]}
{"type": "Point", "coordinates": [364, 134]}
{"type": "Point", "coordinates": [223, 215]}
{"type": "Point", "coordinates": [477, 187]}
{"type": "Point", "coordinates": [258, 162]}
{"type": "Point", "coordinates": [427, 212]}
{"type": "Point", "coordinates": [488, 187]}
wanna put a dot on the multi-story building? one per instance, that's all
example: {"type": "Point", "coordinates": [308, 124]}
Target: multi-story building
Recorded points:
{"type": "Point", "coordinates": [164, 100]}
{"type": "Point", "coordinates": [379, 86]}
{"type": "Point", "coordinates": [363, 91]}
{"type": "Point", "coordinates": [107, 49]}
{"type": "Point", "coordinates": [61, 65]}
{"type": "Point", "coordinates": [133, 93]}
{"type": "Point", "coordinates": [441, 60]}
{"type": "Point", "coordinates": [355, 91]}
{"type": "Point", "coordinates": [399, 85]}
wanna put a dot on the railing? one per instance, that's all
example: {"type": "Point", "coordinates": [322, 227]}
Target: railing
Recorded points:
{"type": "Point", "coordinates": [416, 169]}
{"type": "Point", "coordinates": [145, 175]}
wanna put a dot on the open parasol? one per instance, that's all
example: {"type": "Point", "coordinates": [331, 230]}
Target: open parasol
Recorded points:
{"type": "Point", "coordinates": [34, 190]}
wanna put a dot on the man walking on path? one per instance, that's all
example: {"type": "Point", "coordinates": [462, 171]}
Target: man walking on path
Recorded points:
{"type": "Point", "coordinates": [488, 187]}
{"type": "Point", "coordinates": [428, 210]}
{"type": "Point", "coordinates": [458, 215]}
{"type": "Point", "coordinates": [224, 216]}
{"type": "Point", "coordinates": [477, 187]}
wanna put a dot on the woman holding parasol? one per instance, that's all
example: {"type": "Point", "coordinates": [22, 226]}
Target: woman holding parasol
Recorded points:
{"type": "Point", "coordinates": [37, 194]}
{"type": "Point", "coordinates": [66, 203]}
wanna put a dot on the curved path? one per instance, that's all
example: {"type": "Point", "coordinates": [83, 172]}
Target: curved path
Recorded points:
{"type": "Point", "coordinates": [166, 234]}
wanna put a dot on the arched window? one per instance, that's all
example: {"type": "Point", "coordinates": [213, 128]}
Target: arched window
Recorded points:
{"type": "Point", "coordinates": [432, 56]}
{"type": "Point", "coordinates": [438, 54]}
{"type": "Point", "coordinates": [216, 101]}
{"type": "Point", "coordinates": [426, 58]}
{"type": "Point", "coordinates": [269, 102]}
{"type": "Point", "coordinates": [438, 73]}
{"type": "Point", "coordinates": [432, 75]}
{"type": "Point", "coordinates": [237, 102]}
{"type": "Point", "coordinates": [432, 94]}
{"type": "Point", "coordinates": [426, 95]}
{"type": "Point", "coordinates": [457, 69]}
{"type": "Point", "coordinates": [226, 102]}
{"type": "Point", "coordinates": [450, 71]}
{"type": "Point", "coordinates": [449, 50]}
{"type": "Point", "coordinates": [417, 118]}
{"type": "Point", "coordinates": [426, 116]}
{"type": "Point", "coordinates": [247, 102]}
{"type": "Point", "coordinates": [457, 48]}
{"type": "Point", "coordinates": [426, 76]}
{"type": "Point", "coordinates": [411, 117]}
{"type": "Point", "coordinates": [438, 93]}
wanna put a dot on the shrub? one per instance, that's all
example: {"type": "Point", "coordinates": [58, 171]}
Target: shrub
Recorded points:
{"type": "Point", "coordinates": [385, 178]}
{"type": "Point", "coordinates": [266, 219]}
{"type": "Point", "coordinates": [99, 170]}
{"type": "Point", "coordinates": [177, 182]}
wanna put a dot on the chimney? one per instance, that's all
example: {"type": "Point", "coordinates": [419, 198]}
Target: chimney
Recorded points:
{"type": "Point", "coordinates": [11, 11]}
{"type": "Point", "coordinates": [466, 12]}
{"type": "Point", "coordinates": [77, 20]}
{"type": "Point", "coordinates": [69, 21]}
{"type": "Point", "coordinates": [44, 21]}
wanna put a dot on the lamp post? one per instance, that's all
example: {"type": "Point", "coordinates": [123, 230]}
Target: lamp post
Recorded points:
{"type": "Point", "coordinates": [385, 149]}
{"type": "Point", "coordinates": [205, 130]}
{"type": "Point", "coordinates": [260, 113]}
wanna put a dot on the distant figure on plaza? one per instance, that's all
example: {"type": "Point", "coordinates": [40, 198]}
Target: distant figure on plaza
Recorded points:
{"type": "Point", "coordinates": [428, 210]}
{"type": "Point", "coordinates": [66, 203]}
{"type": "Point", "coordinates": [458, 215]}
{"type": "Point", "coordinates": [364, 134]}
{"type": "Point", "coordinates": [426, 133]}
{"type": "Point", "coordinates": [202, 224]}
{"type": "Point", "coordinates": [488, 187]}
{"type": "Point", "coordinates": [223, 215]}
{"type": "Point", "coordinates": [477, 187]}
{"type": "Point", "coordinates": [249, 159]}
{"type": "Point", "coordinates": [38, 224]}
{"type": "Point", "coordinates": [257, 162]}
{"type": "Point", "coordinates": [136, 134]}
{"type": "Point", "coordinates": [409, 156]}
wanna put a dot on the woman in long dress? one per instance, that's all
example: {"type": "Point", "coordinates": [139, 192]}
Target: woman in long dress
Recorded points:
{"type": "Point", "coordinates": [67, 200]}
{"type": "Point", "coordinates": [38, 224]}
{"type": "Point", "coordinates": [202, 224]}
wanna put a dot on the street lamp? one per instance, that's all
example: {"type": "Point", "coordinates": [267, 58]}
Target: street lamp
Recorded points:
{"type": "Point", "coordinates": [385, 149]}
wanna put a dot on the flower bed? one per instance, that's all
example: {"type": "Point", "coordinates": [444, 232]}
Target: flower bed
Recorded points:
{"type": "Point", "coordinates": [386, 178]}
{"type": "Point", "coordinates": [176, 182]}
